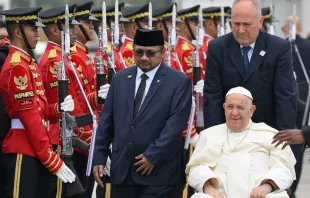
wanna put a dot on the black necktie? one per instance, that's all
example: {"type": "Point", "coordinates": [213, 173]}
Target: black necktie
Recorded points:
{"type": "Point", "coordinates": [139, 95]}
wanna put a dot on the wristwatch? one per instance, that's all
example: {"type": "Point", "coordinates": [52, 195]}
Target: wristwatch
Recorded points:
{"type": "Point", "coordinates": [267, 182]}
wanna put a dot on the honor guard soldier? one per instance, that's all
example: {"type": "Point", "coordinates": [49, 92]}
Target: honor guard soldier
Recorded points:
{"type": "Point", "coordinates": [164, 23]}
{"type": "Point", "coordinates": [27, 152]}
{"type": "Point", "coordinates": [266, 13]}
{"type": "Point", "coordinates": [184, 47]}
{"type": "Point", "coordinates": [84, 33]}
{"type": "Point", "coordinates": [110, 17]}
{"type": "Point", "coordinates": [212, 21]}
{"type": "Point", "coordinates": [138, 18]}
{"type": "Point", "coordinates": [54, 20]}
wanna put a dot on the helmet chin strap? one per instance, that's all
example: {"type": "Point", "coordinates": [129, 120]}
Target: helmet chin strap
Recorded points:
{"type": "Point", "coordinates": [165, 26]}
{"type": "Point", "coordinates": [189, 29]}
{"type": "Point", "coordinates": [24, 36]}
{"type": "Point", "coordinates": [138, 24]}
{"type": "Point", "coordinates": [59, 26]}
{"type": "Point", "coordinates": [84, 32]}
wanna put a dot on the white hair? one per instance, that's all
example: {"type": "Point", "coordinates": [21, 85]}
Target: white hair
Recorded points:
{"type": "Point", "coordinates": [255, 3]}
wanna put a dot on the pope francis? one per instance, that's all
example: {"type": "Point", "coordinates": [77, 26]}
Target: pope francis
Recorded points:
{"type": "Point", "coordinates": [237, 159]}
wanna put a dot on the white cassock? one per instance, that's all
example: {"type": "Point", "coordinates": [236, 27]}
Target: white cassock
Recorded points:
{"type": "Point", "coordinates": [240, 161]}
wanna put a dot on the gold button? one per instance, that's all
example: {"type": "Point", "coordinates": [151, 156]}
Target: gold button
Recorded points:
{"type": "Point", "coordinates": [39, 109]}
{"type": "Point", "coordinates": [92, 87]}
{"type": "Point", "coordinates": [38, 100]}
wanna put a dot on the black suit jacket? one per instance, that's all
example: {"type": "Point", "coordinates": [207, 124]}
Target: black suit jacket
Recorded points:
{"type": "Point", "coordinates": [269, 78]}
{"type": "Point", "coordinates": [303, 46]}
{"type": "Point", "coordinates": [155, 131]}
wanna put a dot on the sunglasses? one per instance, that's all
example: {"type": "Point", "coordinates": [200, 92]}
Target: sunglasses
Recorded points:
{"type": "Point", "coordinates": [148, 53]}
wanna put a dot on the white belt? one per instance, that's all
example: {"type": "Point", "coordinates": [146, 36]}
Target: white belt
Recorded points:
{"type": "Point", "coordinates": [17, 124]}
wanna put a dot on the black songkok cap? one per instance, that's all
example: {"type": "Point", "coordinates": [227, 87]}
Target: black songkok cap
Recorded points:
{"type": "Point", "coordinates": [146, 37]}
{"type": "Point", "coordinates": [83, 12]}
{"type": "Point", "coordinates": [27, 16]}
{"type": "Point", "coordinates": [57, 15]}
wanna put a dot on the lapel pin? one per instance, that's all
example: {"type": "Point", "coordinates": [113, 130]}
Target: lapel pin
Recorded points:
{"type": "Point", "coordinates": [262, 53]}
{"type": "Point", "coordinates": [129, 76]}
{"type": "Point", "coordinates": [158, 80]}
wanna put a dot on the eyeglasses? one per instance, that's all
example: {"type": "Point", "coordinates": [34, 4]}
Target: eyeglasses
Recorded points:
{"type": "Point", "coordinates": [148, 53]}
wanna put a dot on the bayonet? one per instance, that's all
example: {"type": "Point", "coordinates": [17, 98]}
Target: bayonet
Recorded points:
{"type": "Point", "coordinates": [104, 26]}
{"type": "Point", "coordinates": [150, 16]}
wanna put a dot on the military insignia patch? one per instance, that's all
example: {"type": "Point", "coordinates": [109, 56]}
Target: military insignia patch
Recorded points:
{"type": "Point", "coordinates": [53, 70]}
{"type": "Point", "coordinates": [27, 94]}
{"type": "Point", "coordinates": [21, 82]}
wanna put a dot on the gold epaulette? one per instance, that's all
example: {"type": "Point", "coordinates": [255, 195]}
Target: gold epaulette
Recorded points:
{"type": "Point", "coordinates": [15, 58]}
{"type": "Point", "coordinates": [129, 46]}
{"type": "Point", "coordinates": [73, 48]}
{"type": "Point", "coordinates": [166, 46]}
{"type": "Point", "coordinates": [52, 54]}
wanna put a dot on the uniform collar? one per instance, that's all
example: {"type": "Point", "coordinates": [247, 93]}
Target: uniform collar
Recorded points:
{"type": "Point", "coordinates": [81, 46]}
{"type": "Point", "coordinates": [22, 53]}
{"type": "Point", "coordinates": [54, 45]}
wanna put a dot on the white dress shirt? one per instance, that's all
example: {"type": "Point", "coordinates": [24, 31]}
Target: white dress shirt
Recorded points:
{"type": "Point", "coordinates": [151, 75]}
{"type": "Point", "coordinates": [250, 51]}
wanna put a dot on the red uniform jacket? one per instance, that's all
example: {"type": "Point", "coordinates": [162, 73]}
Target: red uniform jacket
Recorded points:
{"type": "Point", "coordinates": [24, 97]}
{"type": "Point", "coordinates": [185, 49]}
{"type": "Point", "coordinates": [175, 62]}
{"type": "Point", "coordinates": [126, 52]}
{"type": "Point", "coordinates": [50, 80]}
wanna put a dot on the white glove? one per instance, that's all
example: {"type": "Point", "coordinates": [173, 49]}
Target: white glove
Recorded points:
{"type": "Point", "coordinates": [198, 88]}
{"type": "Point", "coordinates": [65, 174]}
{"type": "Point", "coordinates": [193, 141]}
{"type": "Point", "coordinates": [68, 104]}
{"type": "Point", "coordinates": [103, 92]}
{"type": "Point", "coordinates": [107, 167]}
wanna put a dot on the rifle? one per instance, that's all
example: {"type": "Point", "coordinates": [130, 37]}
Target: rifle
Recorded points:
{"type": "Point", "coordinates": [67, 122]}
{"type": "Point", "coordinates": [197, 73]}
{"type": "Point", "coordinates": [103, 37]}
{"type": "Point", "coordinates": [111, 57]}
{"type": "Point", "coordinates": [221, 27]}
{"type": "Point", "coordinates": [171, 38]}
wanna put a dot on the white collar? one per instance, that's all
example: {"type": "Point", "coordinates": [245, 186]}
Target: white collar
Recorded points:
{"type": "Point", "coordinates": [208, 35]}
{"type": "Point", "coordinates": [150, 74]}
{"type": "Point", "coordinates": [20, 49]}
{"type": "Point", "coordinates": [252, 45]}
{"type": "Point", "coordinates": [54, 43]}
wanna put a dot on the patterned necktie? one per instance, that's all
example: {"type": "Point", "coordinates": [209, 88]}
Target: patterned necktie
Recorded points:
{"type": "Point", "coordinates": [246, 61]}
{"type": "Point", "coordinates": [139, 94]}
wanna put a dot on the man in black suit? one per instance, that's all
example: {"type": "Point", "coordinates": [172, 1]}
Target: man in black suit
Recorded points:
{"type": "Point", "coordinates": [145, 112]}
{"type": "Point", "coordinates": [303, 47]}
{"type": "Point", "coordinates": [255, 60]}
